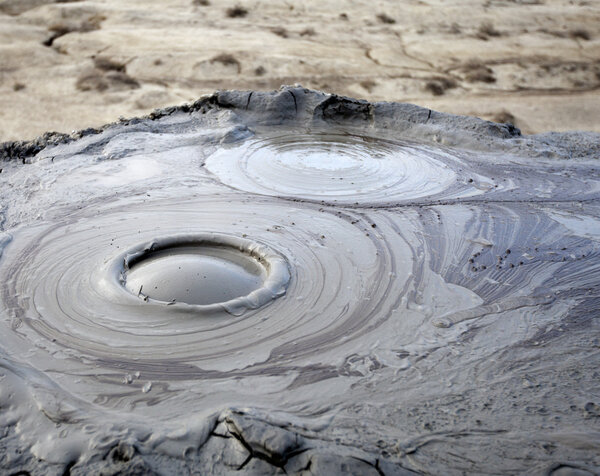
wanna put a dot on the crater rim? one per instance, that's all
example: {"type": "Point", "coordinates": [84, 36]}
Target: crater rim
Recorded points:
{"type": "Point", "coordinates": [275, 267]}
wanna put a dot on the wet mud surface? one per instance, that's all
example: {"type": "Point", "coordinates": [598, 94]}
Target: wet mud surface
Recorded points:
{"type": "Point", "coordinates": [356, 288]}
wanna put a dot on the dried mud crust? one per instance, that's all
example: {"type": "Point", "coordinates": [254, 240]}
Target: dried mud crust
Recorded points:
{"type": "Point", "coordinates": [239, 443]}
{"type": "Point", "coordinates": [304, 107]}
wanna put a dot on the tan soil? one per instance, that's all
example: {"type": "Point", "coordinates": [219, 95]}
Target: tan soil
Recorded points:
{"type": "Point", "coordinates": [74, 64]}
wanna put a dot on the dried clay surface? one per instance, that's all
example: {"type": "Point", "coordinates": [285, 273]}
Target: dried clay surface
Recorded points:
{"type": "Point", "coordinates": [404, 292]}
{"type": "Point", "coordinates": [67, 65]}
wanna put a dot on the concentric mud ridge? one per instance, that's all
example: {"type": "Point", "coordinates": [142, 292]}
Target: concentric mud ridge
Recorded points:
{"type": "Point", "coordinates": [335, 169]}
{"type": "Point", "coordinates": [302, 283]}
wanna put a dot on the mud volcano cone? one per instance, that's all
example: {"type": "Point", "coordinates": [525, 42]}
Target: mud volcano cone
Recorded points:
{"type": "Point", "coordinates": [294, 281]}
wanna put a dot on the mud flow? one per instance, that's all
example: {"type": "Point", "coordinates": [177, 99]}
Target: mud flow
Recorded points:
{"type": "Point", "coordinates": [294, 282]}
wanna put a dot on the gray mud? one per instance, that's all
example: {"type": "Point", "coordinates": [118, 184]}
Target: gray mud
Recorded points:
{"type": "Point", "coordinates": [407, 292]}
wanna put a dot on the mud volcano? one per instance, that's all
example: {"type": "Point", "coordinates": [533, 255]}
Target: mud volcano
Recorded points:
{"type": "Point", "coordinates": [293, 282]}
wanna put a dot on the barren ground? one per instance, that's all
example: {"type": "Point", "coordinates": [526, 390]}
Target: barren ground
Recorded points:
{"type": "Point", "coordinates": [74, 64]}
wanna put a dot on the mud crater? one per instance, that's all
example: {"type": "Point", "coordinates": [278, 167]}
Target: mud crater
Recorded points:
{"type": "Point", "coordinates": [204, 271]}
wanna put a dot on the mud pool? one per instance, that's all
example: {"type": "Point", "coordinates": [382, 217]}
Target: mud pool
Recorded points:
{"type": "Point", "coordinates": [299, 282]}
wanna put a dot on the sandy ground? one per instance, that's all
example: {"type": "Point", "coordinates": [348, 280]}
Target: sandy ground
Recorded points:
{"type": "Point", "coordinates": [68, 65]}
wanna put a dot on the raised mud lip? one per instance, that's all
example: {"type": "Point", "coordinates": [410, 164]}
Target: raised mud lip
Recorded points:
{"type": "Point", "coordinates": [298, 106]}
{"type": "Point", "coordinates": [203, 272]}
